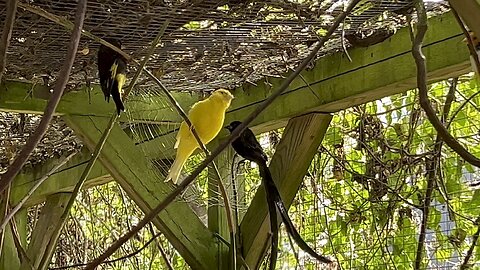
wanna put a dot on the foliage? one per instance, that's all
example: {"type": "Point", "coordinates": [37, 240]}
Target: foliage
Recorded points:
{"type": "Point", "coordinates": [361, 201]}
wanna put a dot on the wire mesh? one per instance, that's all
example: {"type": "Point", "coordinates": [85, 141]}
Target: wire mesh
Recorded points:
{"type": "Point", "coordinates": [361, 201]}
{"type": "Point", "coordinates": [15, 128]}
{"type": "Point", "coordinates": [208, 44]}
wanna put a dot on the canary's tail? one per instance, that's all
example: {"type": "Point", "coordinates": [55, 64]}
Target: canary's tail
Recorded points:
{"type": "Point", "coordinates": [175, 170]}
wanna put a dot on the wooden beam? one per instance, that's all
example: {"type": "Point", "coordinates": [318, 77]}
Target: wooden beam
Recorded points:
{"type": "Point", "coordinates": [63, 180]}
{"type": "Point", "coordinates": [138, 177]}
{"type": "Point", "coordinates": [44, 232]}
{"type": "Point", "coordinates": [335, 83]}
{"type": "Point", "coordinates": [293, 156]}
{"type": "Point", "coordinates": [469, 11]}
{"type": "Point", "coordinates": [217, 220]}
{"type": "Point", "coordinates": [9, 255]}
{"type": "Point", "coordinates": [24, 97]}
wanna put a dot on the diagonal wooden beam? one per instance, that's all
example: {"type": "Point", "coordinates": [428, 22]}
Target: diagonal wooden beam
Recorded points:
{"type": "Point", "coordinates": [8, 254]}
{"type": "Point", "coordinates": [62, 181]}
{"type": "Point", "coordinates": [137, 176]}
{"type": "Point", "coordinates": [293, 156]}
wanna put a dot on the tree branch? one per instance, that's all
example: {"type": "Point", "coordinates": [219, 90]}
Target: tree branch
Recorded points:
{"type": "Point", "coordinates": [60, 84]}
{"type": "Point", "coordinates": [423, 91]}
{"type": "Point", "coordinates": [465, 264]}
{"type": "Point", "coordinates": [7, 34]}
{"type": "Point", "coordinates": [235, 134]}
{"type": "Point", "coordinates": [442, 133]}
{"type": "Point", "coordinates": [114, 260]}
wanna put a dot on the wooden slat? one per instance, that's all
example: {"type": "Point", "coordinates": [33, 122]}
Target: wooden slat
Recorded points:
{"type": "Point", "coordinates": [9, 254]}
{"type": "Point", "coordinates": [293, 156]}
{"type": "Point", "coordinates": [63, 180]}
{"type": "Point", "coordinates": [137, 176]}
{"type": "Point", "coordinates": [44, 232]}
{"type": "Point", "coordinates": [217, 220]}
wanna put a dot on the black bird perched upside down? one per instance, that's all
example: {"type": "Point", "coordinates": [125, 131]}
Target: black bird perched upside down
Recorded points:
{"type": "Point", "coordinates": [112, 68]}
{"type": "Point", "coordinates": [249, 148]}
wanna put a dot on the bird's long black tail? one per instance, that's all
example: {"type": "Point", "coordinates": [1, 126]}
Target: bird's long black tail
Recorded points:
{"type": "Point", "coordinates": [274, 228]}
{"type": "Point", "coordinates": [273, 197]}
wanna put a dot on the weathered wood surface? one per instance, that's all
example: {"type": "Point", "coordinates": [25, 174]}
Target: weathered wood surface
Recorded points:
{"type": "Point", "coordinates": [44, 233]}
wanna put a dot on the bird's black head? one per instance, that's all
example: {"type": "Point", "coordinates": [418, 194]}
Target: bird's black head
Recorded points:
{"type": "Point", "coordinates": [233, 125]}
{"type": "Point", "coordinates": [114, 41]}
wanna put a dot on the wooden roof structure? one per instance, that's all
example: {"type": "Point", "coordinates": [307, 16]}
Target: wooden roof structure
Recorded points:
{"type": "Point", "coordinates": [332, 83]}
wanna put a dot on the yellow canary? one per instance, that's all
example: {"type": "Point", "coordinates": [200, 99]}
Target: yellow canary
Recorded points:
{"type": "Point", "coordinates": [207, 118]}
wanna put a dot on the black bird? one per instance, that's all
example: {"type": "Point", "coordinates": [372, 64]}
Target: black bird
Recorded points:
{"type": "Point", "coordinates": [249, 148]}
{"type": "Point", "coordinates": [112, 68]}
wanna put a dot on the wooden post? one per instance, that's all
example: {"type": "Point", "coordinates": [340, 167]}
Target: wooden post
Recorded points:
{"type": "Point", "coordinates": [293, 156]}
{"type": "Point", "coordinates": [217, 221]}
{"type": "Point", "coordinates": [141, 181]}
{"type": "Point", "coordinates": [43, 233]}
{"type": "Point", "coordinates": [9, 255]}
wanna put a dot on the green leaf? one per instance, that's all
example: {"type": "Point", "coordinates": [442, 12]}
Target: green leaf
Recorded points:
{"type": "Point", "coordinates": [434, 218]}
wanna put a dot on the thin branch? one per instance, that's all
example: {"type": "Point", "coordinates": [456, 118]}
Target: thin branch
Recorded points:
{"type": "Point", "coordinates": [465, 264]}
{"type": "Point", "coordinates": [425, 103]}
{"type": "Point", "coordinates": [114, 260]}
{"type": "Point", "coordinates": [60, 84]}
{"type": "Point", "coordinates": [223, 190]}
{"type": "Point", "coordinates": [423, 91]}
{"type": "Point", "coordinates": [22, 255]}
{"type": "Point", "coordinates": [162, 251]}
{"type": "Point", "coordinates": [32, 190]}
{"type": "Point", "coordinates": [96, 153]}
{"type": "Point", "coordinates": [235, 134]}
{"type": "Point", "coordinates": [7, 34]}
{"type": "Point", "coordinates": [4, 200]}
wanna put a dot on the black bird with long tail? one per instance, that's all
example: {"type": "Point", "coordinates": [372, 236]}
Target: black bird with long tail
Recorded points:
{"type": "Point", "coordinates": [249, 148]}
{"type": "Point", "coordinates": [112, 69]}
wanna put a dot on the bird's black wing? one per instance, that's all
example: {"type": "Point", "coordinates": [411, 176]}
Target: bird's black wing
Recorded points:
{"type": "Point", "coordinates": [255, 146]}
{"type": "Point", "coordinates": [248, 147]}
{"type": "Point", "coordinates": [106, 58]}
